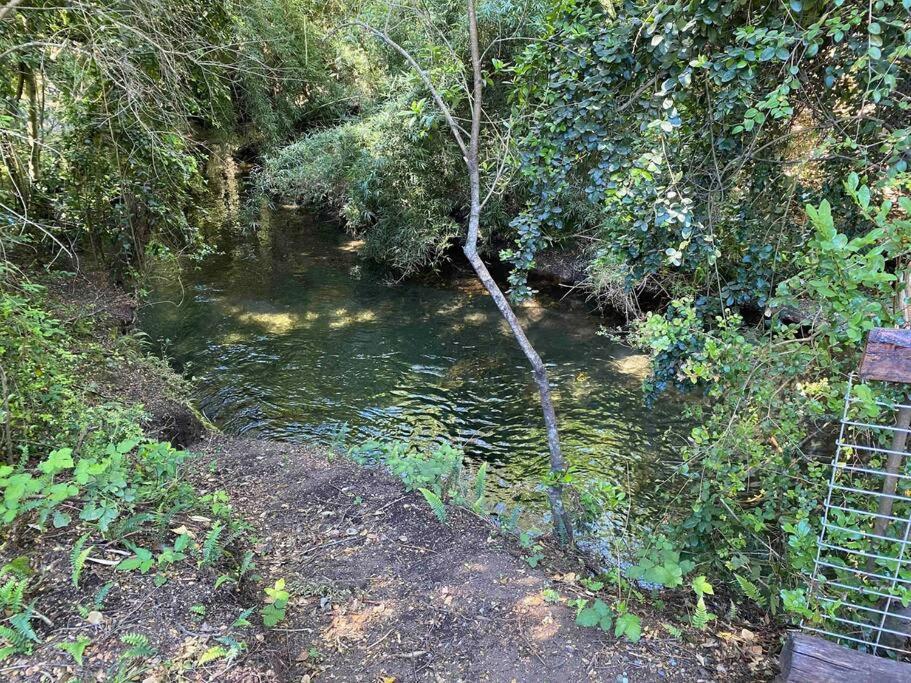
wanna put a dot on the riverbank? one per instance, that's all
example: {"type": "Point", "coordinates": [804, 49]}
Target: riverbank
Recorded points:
{"type": "Point", "coordinates": [378, 588]}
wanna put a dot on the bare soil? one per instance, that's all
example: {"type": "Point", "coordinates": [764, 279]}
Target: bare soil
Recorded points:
{"type": "Point", "coordinates": [386, 591]}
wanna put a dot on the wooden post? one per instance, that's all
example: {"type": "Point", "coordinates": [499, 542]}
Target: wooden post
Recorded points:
{"type": "Point", "coordinates": [807, 659]}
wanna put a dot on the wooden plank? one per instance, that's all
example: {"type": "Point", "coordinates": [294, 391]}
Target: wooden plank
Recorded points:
{"type": "Point", "coordinates": [807, 659]}
{"type": "Point", "coordinates": [887, 356]}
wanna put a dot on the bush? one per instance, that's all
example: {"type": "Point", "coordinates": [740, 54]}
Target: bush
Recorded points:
{"type": "Point", "coordinates": [396, 190]}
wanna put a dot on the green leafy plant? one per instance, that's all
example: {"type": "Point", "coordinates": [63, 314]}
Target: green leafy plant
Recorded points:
{"type": "Point", "coordinates": [19, 636]}
{"type": "Point", "coordinates": [138, 646]}
{"type": "Point", "coordinates": [242, 620]}
{"type": "Point", "coordinates": [437, 505]}
{"type": "Point", "coordinates": [629, 626]}
{"type": "Point", "coordinates": [701, 616]}
{"type": "Point", "coordinates": [660, 564]}
{"type": "Point", "coordinates": [596, 615]}
{"type": "Point", "coordinates": [277, 598]}
{"type": "Point", "coordinates": [211, 547]}
{"type": "Point", "coordinates": [141, 559]}
{"type": "Point", "coordinates": [75, 648]}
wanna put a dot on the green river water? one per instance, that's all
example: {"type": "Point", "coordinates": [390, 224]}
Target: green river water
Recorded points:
{"type": "Point", "coordinates": [289, 335]}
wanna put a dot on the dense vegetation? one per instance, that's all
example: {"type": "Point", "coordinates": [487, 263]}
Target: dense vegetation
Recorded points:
{"type": "Point", "coordinates": [741, 166]}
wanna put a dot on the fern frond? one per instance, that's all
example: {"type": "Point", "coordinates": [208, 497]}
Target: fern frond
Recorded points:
{"type": "Point", "coordinates": [139, 647]}
{"type": "Point", "coordinates": [101, 594]}
{"type": "Point", "coordinates": [13, 637]}
{"type": "Point", "coordinates": [12, 595]}
{"type": "Point", "coordinates": [22, 625]}
{"type": "Point", "coordinates": [513, 521]}
{"type": "Point", "coordinates": [436, 504]}
{"type": "Point", "coordinates": [132, 523]}
{"type": "Point", "coordinates": [78, 556]}
{"type": "Point", "coordinates": [702, 616]}
{"type": "Point", "coordinates": [211, 549]}
{"type": "Point", "coordinates": [751, 590]}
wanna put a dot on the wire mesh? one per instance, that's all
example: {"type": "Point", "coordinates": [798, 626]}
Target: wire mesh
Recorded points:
{"type": "Point", "coordinates": [862, 573]}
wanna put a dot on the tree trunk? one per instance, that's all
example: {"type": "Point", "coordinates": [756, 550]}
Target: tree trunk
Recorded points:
{"type": "Point", "coordinates": [562, 522]}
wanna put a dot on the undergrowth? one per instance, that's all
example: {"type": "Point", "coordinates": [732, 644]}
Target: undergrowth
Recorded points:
{"type": "Point", "coordinates": [79, 467]}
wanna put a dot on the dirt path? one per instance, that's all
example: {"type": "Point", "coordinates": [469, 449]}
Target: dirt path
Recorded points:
{"type": "Point", "coordinates": [383, 590]}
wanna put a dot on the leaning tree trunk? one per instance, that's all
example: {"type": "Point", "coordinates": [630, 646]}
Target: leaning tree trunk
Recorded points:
{"type": "Point", "coordinates": [562, 522]}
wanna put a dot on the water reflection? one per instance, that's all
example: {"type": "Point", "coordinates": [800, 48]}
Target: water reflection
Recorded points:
{"type": "Point", "coordinates": [290, 336]}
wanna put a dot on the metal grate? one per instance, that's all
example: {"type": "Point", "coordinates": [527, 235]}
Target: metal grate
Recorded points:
{"type": "Point", "coordinates": [862, 579]}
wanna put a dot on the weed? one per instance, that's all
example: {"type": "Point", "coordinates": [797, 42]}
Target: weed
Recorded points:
{"type": "Point", "coordinates": [277, 598]}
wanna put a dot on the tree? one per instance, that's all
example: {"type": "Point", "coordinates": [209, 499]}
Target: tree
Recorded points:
{"type": "Point", "coordinates": [470, 149]}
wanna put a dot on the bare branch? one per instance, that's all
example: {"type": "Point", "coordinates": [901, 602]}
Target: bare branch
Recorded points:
{"type": "Point", "coordinates": [457, 131]}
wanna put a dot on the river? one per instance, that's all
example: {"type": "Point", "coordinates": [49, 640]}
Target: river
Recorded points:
{"type": "Point", "coordinates": [289, 335]}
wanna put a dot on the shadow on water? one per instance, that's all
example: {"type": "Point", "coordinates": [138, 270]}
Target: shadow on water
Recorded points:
{"type": "Point", "coordinates": [290, 336]}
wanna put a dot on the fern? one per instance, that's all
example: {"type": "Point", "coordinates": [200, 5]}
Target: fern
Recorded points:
{"type": "Point", "coordinates": [78, 556]}
{"type": "Point", "coordinates": [22, 625]}
{"type": "Point", "coordinates": [751, 590]}
{"type": "Point", "coordinates": [75, 648]}
{"type": "Point", "coordinates": [512, 522]}
{"type": "Point", "coordinates": [673, 630]}
{"type": "Point", "coordinates": [139, 647]}
{"type": "Point", "coordinates": [211, 548]}
{"type": "Point", "coordinates": [132, 523]}
{"type": "Point", "coordinates": [213, 653]}
{"type": "Point", "coordinates": [101, 595]}
{"type": "Point", "coordinates": [702, 616]}
{"type": "Point", "coordinates": [12, 595]}
{"type": "Point", "coordinates": [439, 509]}
{"type": "Point", "coordinates": [12, 642]}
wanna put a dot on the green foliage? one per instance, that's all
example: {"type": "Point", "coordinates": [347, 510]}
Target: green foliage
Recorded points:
{"type": "Point", "coordinates": [701, 616]}
{"type": "Point", "coordinates": [437, 505]}
{"type": "Point", "coordinates": [277, 598]}
{"type": "Point", "coordinates": [138, 646]}
{"type": "Point", "coordinates": [641, 131]}
{"type": "Point", "coordinates": [630, 626]}
{"type": "Point", "coordinates": [395, 192]}
{"type": "Point", "coordinates": [242, 620]}
{"type": "Point", "coordinates": [78, 555]}
{"type": "Point", "coordinates": [597, 615]}
{"type": "Point", "coordinates": [211, 547]}
{"type": "Point", "coordinates": [660, 564]}
{"type": "Point", "coordinates": [440, 472]}
{"type": "Point", "coordinates": [751, 590]}
{"type": "Point", "coordinates": [75, 648]}
{"type": "Point", "coordinates": [756, 495]}
{"type": "Point", "coordinates": [141, 559]}
{"type": "Point", "coordinates": [18, 636]}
